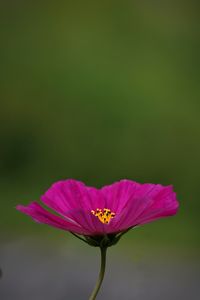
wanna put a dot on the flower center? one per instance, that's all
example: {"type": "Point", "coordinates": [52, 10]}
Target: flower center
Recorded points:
{"type": "Point", "coordinates": [104, 215]}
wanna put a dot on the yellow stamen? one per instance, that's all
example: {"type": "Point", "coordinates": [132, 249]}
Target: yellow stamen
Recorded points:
{"type": "Point", "coordinates": [104, 215]}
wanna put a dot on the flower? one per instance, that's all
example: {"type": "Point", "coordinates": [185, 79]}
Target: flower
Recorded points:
{"type": "Point", "coordinates": [102, 216]}
{"type": "Point", "coordinates": [106, 212]}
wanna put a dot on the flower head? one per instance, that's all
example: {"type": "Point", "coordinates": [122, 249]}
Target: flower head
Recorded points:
{"type": "Point", "coordinates": [102, 213]}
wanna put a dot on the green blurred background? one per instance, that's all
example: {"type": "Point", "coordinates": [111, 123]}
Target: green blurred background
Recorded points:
{"type": "Point", "coordinates": [100, 91]}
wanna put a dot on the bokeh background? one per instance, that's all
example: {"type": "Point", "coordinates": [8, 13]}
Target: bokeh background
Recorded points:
{"type": "Point", "coordinates": [99, 91]}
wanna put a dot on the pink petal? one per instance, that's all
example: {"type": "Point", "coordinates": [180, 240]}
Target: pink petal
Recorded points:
{"type": "Point", "coordinates": [152, 202]}
{"type": "Point", "coordinates": [88, 221]}
{"type": "Point", "coordinates": [39, 214]}
{"type": "Point", "coordinates": [119, 193]}
{"type": "Point", "coordinates": [67, 195]}
{"type": "Point", "coordinates": [164, 204]}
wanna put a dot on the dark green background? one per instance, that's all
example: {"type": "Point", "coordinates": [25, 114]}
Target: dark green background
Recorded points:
{"type": "Point", "coordinates": [100, 91]}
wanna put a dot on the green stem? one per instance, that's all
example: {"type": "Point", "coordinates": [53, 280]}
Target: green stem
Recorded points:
{"type": "Point", "coordinates": [101, 274]}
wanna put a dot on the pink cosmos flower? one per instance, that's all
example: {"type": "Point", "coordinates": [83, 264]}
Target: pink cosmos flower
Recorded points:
{"type": "Point", "coordinates": [102, 216]}
{"type": "Point", "coordinates": [108, 211]}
